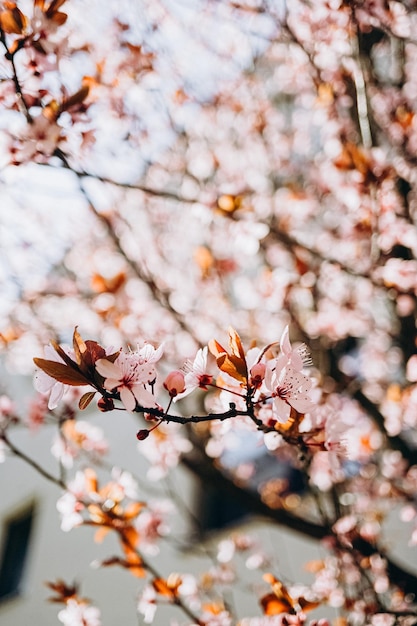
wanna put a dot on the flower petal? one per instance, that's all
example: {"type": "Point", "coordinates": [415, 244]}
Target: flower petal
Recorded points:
{"type": "Point", "coordinates": [57, 392]}
{"type": "Point", "coordinates": [143, 396]}
{"type": "Point", "coordinates": [107, 369]}
{"type": "Point", "coordinates": [127, 398]}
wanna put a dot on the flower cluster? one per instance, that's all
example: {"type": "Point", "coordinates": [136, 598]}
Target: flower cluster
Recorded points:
{"type": "Point", "coordinates": [272, 389]}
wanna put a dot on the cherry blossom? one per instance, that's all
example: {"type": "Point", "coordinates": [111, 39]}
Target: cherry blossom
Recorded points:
{"type": "Point", "coordinates": [270, 185]}
{"type": "Point", "coordinates": [77, 437]}
{"type": "Point", "coordinates": [79, 614]}
{"type": "Point", "coordinates": [196, 376]}
{"type": "Point", "coordinates": [129, 374]}
{"type": "Point", "coordinates": [289, 388]}
{"type": "Point", "coordinates": [297, 357]}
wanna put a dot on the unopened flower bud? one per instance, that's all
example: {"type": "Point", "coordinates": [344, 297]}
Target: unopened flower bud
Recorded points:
{"type": "Point", "coordinates": [257, 373]}
{"type": "Point", "coordinates": [142, 434]}
{"type": "Point", "coordinates": [175, 383]}
{"type": "Point", "coordinates": [105, 404]}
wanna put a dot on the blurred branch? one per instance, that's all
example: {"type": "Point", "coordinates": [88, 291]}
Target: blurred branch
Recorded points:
{"type": "Point", "coordinates": [160, 296]}
{"type": "Point", "coordinates": [205, 469]}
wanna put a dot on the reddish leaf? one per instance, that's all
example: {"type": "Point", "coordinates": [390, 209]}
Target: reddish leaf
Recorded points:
{"type": "Point", "coordinates": [64, 356]}
{"type": "Point", "coordinates": [64, 592]}
{"type": "Point", "coordinates": [62, 373]}
{"type": "Point", "coordinates": [93, 353]}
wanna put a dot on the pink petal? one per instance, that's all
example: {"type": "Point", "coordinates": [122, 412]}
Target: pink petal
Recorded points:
{"type": "Point", "coordinates": [111, 383]}
{"type": "Point", "coordinates": [57, 392]}
{"type": "Point", "coordinates": [42, 382]}
{"type": "Point", "coordinates": [281, 409]}
{"type": "Point", "coordinates": [108, 369]}
{"type": "Point", "coordinates": [144, 397]}
{"type": "Point", "coordinates": [284, 342]}
{"type": "Point", "coordinates": [127, 398]}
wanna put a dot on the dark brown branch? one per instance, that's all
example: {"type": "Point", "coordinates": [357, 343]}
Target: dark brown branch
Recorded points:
{"type": "Point", "coordinates": [202, 467]}
{"type": "Point", "coordinates": [22, 105]}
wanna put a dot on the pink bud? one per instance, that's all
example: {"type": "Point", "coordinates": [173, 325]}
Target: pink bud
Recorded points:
{"type": "Point", "coordinates": [174, 383]}
{"type": "Point", "coordinates": [257, 373]}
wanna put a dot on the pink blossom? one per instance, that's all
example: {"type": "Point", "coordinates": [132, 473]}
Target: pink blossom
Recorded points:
{"type": "Point", "coordinates": [78, 613]}
{"type": "Point", "coordinates": [147, 604]}
{"type": "Point", "coordinates": [411, 371]}
{"type": "Point", "coordinates": [152, 525]}
{"type": "Point", "coordinates": [297, 357]}
{"type": "Point", "coordinates": [163, 450]}
{"type": "Point", "coordinates": [39, 141]}
{"type": "Point", "coordinates": [129, 374]}
{"type": "Point", "coordinates": [77, 437]}
{"type": "Point", "coordinates": [38, 410]}
{"type": "Point", "coordinates": [70, 504]}
{"type": "Point", "coordinates": [288, 388]}
{"type": "Point", "coordinates": [196, 376]}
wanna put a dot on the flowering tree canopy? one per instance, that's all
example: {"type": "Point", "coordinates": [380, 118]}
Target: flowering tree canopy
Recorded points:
{"type": "Point", "coordinates": [173, 170]}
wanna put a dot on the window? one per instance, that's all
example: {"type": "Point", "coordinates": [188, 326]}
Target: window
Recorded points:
{"type": "Point", "coordinates": [16, 537]}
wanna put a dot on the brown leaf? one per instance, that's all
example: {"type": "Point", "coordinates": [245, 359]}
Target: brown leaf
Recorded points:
{"type": "Point", "coordinates": [62, 373]}
{"type": "Point", "coordinates": [161, 586]}
{"type": "Point", "coordinates": [280, 601]}
{"type": "Point", "coordinates": [307, 605]}
{"type": "Point", "coordinates": [13, 20]}
{"type": "Point", "coordinates": [64, 356]}
{"type": "Point", "coordinates": [76, 98]}
{"type": "Point", "coordinates": [233, 362]}
{"type": "Point", "coordinates": [236, 344]}
{"type": "Point", "coordinates": [130, 538]}
{"type": "Point", "coordinates": [85, 400]}
{"type": "Point", "coordinates": [91, 483]}
{"type": "Point", "coordinates": [64, 592]}
{"type": "Point", "coordinates": [275, 606]}
{"type": "Point", "coordinates": [102, 532]}
{"type": "Point", "coordinates": [132, 510]}
{"type": "Point", "coordinates": [79, 346]}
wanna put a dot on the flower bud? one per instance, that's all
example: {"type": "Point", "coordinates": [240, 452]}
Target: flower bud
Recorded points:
{"type": "Point", "coordinates": [142, 434]}
{"type": "Point", "coordinates": [174, 383]}
{"type": "Point", "coordinates": [105, 404]}
{"type": "Point", "coordinates": [257, 373]}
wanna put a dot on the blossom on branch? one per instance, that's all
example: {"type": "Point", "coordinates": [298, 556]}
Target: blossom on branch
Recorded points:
{"type": "Point", "coordinates": [79, 613]}
{"type": "Point", "coordinates": [129, 374]}
{"type": "Point", "coordinates": [196, 376]}
{"type": "Point", "coordinates": [288, 388]}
